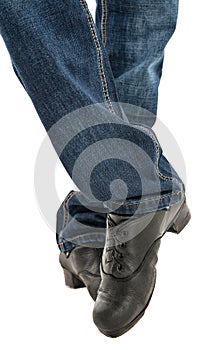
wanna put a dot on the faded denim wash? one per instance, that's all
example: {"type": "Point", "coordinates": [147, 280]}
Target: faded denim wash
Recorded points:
{"type": "Point", "coordinates": [81, 78]}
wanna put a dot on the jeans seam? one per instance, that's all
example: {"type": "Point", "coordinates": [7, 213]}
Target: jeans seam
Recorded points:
{"type": "Point", "coordinates": [104, 21]}
{"type": "Point", "coordinates": [65, 208]}
{"type": "Point", "coordinates": [99, 53]}
{"type": "Point", "coordinates": [76, 237]}
{"type": "Point", "coordinates": [156, 144]}
{"type": "Point", "coordinates": [159, 174]}
{"type": "Point", "coordinates": [70, 240]}
{"type": "Point", "coordinates": [150, 199]}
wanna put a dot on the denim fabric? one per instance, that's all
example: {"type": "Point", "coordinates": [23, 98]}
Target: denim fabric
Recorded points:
{"type": "Point", "coordinates": [78, 225]}
{"type": "Point", "coordinates": [79, 78]}
{"type": "Point", "coordinates": [135, 34]}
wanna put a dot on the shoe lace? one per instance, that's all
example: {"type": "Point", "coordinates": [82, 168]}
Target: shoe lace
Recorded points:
{"type": "Point", "coordinates": [114, 253]}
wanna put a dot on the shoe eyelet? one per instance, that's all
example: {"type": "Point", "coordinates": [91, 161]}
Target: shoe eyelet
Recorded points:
{"type": "Point", "coordinates": [123, 245]}
{"type": "Point", "coordinates": [120, 255]}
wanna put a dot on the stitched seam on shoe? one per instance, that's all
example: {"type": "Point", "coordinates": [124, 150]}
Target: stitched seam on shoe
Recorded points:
{"type": "Point", "coordinates": [104, 21]}
{"type": "Point", "coordinates": [99, 53]}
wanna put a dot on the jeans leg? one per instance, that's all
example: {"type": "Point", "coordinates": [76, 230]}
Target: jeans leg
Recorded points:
{"type": "Point", "coordinates": [57, 55]}
{"type": "Point", "coordinates": [63, 66]}
{"type": "Point", "coordinates": [135, 34]}
{"type": "Point", "coordinates": [78, 225]}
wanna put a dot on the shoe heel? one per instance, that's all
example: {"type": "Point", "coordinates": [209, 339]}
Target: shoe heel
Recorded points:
{"type": "Point", "coordinates": [181, 220]}
{"type": "Point", "coordinates": [72, 281]}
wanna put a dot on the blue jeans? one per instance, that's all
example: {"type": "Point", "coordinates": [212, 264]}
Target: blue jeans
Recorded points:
{"type": "Point", "coordinates": [95, 89]}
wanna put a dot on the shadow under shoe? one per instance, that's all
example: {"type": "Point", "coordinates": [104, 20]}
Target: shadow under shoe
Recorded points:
{"type": "Point", "coordinates": [128, 266]}
{"type": "Point", "coordinates": [81, 268]}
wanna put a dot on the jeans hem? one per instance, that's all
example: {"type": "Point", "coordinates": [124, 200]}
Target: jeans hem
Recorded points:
{"type": "Point", "coordinates": [96, 238]}
{"type": "Point", "coordinates": [146, 205]}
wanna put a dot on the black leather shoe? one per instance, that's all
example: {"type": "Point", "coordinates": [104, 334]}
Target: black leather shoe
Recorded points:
{"type": "Point", "coordinates": [128, 266]}
{"type": "Point", "coordinates": [81, 268]}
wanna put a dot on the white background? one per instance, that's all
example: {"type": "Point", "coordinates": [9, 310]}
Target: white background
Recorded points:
{"type": "Point", "coordinates": [37, 310]}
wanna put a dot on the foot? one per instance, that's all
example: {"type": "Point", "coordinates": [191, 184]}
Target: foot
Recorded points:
{"type": "Point", "coordinates": [81, 268]}
{"type": "Point", "coordinates": [128, 266]}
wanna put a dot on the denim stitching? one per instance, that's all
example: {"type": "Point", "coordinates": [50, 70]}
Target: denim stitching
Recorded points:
{"type": "Point", "coordinates": [99, 55]}
{"type": "Point", "coordinates": [77, 237]}
{"type": "Point", "coordinates": [150, 199]}
{"type": "Point", "coordinates": [163, 177]}
{"type": "Point", "coordinates": [156, 144]}
{"type": "Point", "coordinates": [65, 208]}
{"type": "Point", "coordinates": [145, 200]}
{"type": "Point", "coordinates": [104, 20]}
